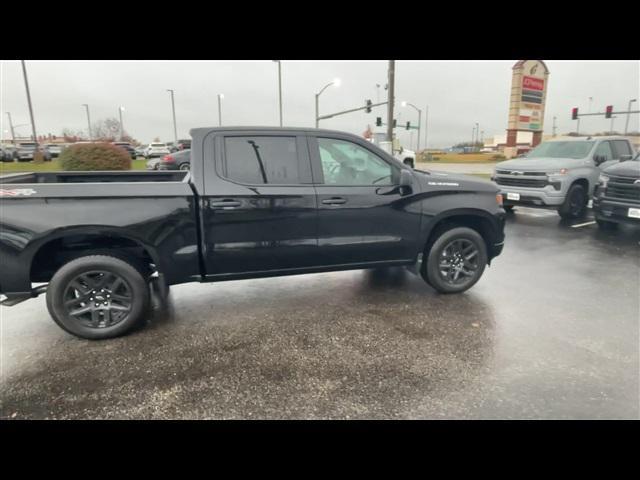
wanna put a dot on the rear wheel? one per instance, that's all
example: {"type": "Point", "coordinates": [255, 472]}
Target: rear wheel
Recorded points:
{"type": "Point", "coordinates": [575, 204]}
{"type": "Point", "coordinates": [185, 166]}
{"type": "Point", "coordinates": [455, 260]}
{"type": "Point", "coordinates": [98, 296]}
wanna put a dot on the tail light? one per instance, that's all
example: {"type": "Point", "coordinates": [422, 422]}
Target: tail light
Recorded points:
{"type": "Point", "coordinates": [168, 159]}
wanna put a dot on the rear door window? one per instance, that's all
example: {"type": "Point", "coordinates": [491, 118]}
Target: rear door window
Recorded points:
{"type": "Point", "coordinates": [258, 160]}
{"type": "Point", "coordinates": [621, 148]}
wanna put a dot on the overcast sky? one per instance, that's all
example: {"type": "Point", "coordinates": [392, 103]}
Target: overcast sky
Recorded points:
{"type": "Point", "coordinates": [458, 93]}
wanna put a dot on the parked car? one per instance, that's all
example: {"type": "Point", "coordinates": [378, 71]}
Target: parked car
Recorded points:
{"type": "Point", "coordinates": [8, 153]}
{"type": "Point", "coordinates": [153, 163]}
{"type": "Point", "coordinates": [184, 144]}
{"type": "Point", "coordinates": [26, 151]}
{"type": "Point", "coordinates": [559, 174]}
{"type": "Point", "coordinates": [617, 196]}
{"type": "Point", "coordinates": [258, 202]}
{"type": "Point", "coordinates": [140, 150]}
{"type": "Point", "coordinates": [129, 149]}
{"type": "Point", "coordinates": [176, 161]}
{"type": "Point", "coordinates": [156, 150]}
{"type": "Point", "coordinates": [55, 149]}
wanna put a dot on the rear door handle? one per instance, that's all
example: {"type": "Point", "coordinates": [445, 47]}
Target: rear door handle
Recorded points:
{"type": "Point", "coordinates": [334, 201]}
{"type": "Point", "coordinates": [227, 203]}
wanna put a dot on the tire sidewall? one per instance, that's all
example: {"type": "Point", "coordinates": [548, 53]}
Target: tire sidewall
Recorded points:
{"type": "Point", "coordinates": [60, 280]}
{"type": "Point", "coordinates": [431, 272]}
{"type": "Point", "coordinates": [565, 210]}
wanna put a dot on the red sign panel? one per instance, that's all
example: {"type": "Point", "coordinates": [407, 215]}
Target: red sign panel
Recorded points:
{"type": "Point", "coordinates": [524, 119]}
{"type": "Point", "coordinates": [532, 83]}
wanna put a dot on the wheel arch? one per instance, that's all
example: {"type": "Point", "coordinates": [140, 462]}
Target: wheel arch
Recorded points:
{"type": "Point", "coordinates": [51, 254]}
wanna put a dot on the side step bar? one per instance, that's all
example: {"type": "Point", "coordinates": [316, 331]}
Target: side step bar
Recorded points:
{"type": "Point", "coordinates": [14, 300]}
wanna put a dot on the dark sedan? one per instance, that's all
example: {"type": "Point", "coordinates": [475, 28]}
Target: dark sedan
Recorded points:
{"type": "Point", "coordinates": [127, 146]}
{"type": "Point", "coordinates": [176, 161]}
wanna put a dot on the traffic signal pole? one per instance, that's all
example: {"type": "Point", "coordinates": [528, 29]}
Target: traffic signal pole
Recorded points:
{"type": "Point", "coordinates": [390, 100]}
{"type": "Point", "coordinates": [323, 117]}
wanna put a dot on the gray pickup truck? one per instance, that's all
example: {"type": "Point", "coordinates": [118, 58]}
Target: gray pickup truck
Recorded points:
{"type": "Point", "coordinates": [559, 174]}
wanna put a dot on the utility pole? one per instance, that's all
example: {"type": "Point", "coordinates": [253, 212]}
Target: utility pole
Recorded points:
{"type": "Point", "coordinates": [578, 127]}
{"type": "Point", "coordinates": [13, 134]}
{"type": "Point", "coordinates": [554, 126]}
{"type": "Point", "coordinates": [173, 109]}
{"type": "Point", "coordinates": [390, 99]}
{"type": "Point", "coordinates": [220, 97]}
{"type": "Point", "coordinates": [120, 109]}
{"type": "Point", "coordinates": [626, 125]}
{"type": "Point", "coordinates": [88, 121]}
{"type": "Point", "coordinates": [426, 125]}
{"type": "Point", "coordinates": [279, 88]}
{"type": "Point", "coordinates": [26, 84]}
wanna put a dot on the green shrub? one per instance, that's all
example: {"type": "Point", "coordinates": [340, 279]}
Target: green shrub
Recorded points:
{"type": "Point", "coordinates": [94, 156]}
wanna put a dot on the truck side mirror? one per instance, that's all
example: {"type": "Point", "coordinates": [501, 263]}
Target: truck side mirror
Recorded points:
{"type": "Point", "coordinates": [598, 159]}
{"type": "Point", "coordinates": [406, 182]}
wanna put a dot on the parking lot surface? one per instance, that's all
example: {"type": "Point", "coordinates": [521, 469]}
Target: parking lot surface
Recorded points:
{"type": "Point", "coordinates": [550, 331]}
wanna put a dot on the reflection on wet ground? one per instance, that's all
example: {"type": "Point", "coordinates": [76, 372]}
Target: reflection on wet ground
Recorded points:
{"type": "Point", "coordinates": [551, 331]}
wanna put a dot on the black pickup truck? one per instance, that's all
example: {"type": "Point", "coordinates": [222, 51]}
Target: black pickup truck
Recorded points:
{"type": "Point", "coordinates": [258, 202]}
{"type": "Point", "coordinates": [616, 198]}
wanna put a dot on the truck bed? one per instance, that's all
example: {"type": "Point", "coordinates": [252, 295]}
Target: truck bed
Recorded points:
{"type": "Point", "coordinates": [94, 177]}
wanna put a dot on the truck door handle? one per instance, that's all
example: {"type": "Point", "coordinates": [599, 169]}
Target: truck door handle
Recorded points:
{"type": "Point", "coordinates": [334, 201]}
{"type": "Point", "coordinates": [227, 203]}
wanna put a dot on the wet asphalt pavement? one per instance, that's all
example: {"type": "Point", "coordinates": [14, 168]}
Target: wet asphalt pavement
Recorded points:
{"type": "Point", "coordinates": [550, 331]}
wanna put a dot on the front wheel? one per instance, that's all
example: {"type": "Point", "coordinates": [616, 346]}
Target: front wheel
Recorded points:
{"type": "Point", "coordinates": [97, 297]}
{"type": "Point", "coordinates": [455, 261]}
{"type": "Point", "coordinates": [575, 204]}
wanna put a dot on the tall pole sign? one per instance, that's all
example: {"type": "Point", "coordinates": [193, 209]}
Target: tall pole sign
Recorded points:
{"type": "Point", "coordinates": [527, 102]}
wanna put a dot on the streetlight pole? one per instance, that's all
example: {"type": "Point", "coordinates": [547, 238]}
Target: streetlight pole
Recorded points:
{"type": "Point", "coordinates": [13, 134]}
{"type": "Point", "coordinates": [391, 100]}
{"type": "Point", "coordinates": [220, 97]}
{"type": "Point", "coordinates": [26, 84]}
{"type": "Point", "coordinates": [477, 134]}
{"type": "Point", "coordinates": [419, 121]}
{"type": "Point", "coordinates": [335, 82]}
{"type": "Point", "coordinates": [88, 121]}
{"type": "Point", "coordinates": [279, 87]}
{"type": "Point", "coordinates": [626, 125]}
{"type": "Point", "coordinates": [173, 109]}
{"type": "Point", "coordinates": [120, 110]}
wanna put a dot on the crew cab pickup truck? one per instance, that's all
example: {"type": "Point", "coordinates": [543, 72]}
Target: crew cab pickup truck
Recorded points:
{"type": "Point", "coordinates": [559, 174]}
{"type": "Point", "coordinates": [617, 196]}
{"type": "Point", "coordinates": [258, 202]}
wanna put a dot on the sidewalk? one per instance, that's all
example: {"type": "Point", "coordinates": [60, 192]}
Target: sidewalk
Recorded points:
{"type": "Point", "coordinates": [486, 168]}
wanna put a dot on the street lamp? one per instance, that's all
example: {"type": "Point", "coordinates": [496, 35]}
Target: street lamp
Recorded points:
{"type": "Point", "coordinates": [120, 110]}
{"type": "Point", "coordinates": [88, 121]}
{"type": "Point", "coordinates": [279, 87]}
{"type": "Point", "coordinates": [13, 135]}
{"type": "Point", "coordinates": [404, 104]}
{"type": "Point", "coordinates": [173, 109]}
{"type": "Point", "coordinates": [335, 82]}
{"type": "Point", "coordinates": [220, 97]}
{"type": "Point", "coordinates": [626, 126]}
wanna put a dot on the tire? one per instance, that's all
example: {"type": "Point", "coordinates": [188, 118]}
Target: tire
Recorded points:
{"type": "Point", "coordinates": [462, 237]}
{"type": "Point", "coordinates": [575, 204]}
{"type": "Point", "coordinates": [185, 166]}
{"type": "Point", "coordinates": [125, 312]}
{"type": "Point", "coordinates": [606, 225]}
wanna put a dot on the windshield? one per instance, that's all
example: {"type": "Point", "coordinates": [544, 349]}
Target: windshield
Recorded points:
{"type": "Point", "coordinates": [561, 150]}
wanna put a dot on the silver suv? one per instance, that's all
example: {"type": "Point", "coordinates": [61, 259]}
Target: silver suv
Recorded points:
{"type": "Point", "coordinates": [560, 174]}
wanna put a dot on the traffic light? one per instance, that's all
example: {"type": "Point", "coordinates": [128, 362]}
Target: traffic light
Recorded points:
{"type": "Point", "coordinates": [368, 110]}
{"type": "Point", "coordinates": [608, 111]}
{"type": "Point", "coordinates": [395, 122]}
{"type": "Point", "coordinates": [574, 113]}
{"type": "Point", "coordinates": [408, 125]}
{"type": "Point", "coordinates": [378, 121]}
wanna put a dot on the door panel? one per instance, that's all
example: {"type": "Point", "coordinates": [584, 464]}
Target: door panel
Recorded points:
{"type": "Point", "coordinates": [363, 222]}
{"type": "Point", "coordinates": [253, 227]}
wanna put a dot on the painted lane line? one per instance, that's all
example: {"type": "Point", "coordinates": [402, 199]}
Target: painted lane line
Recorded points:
{"type": "Point", "coordinates": [583, 224]}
